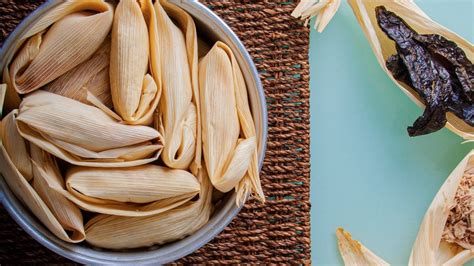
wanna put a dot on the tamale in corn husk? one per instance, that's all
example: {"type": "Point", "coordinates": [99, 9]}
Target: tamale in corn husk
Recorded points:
{"type": "Point", "coordinates": [140, 184]}
{"type": "Point", "coordinates": [441, 241]}
{"type": "Point", "coordinates": [323, 10]}
{"type": "Point", "coordinates": [30, 198]}
{"type": "Point", "coordinates": [354, 253]}
{"type": "Point", "coordinates": [90, 76]}
{"type": "Point", "coordinates": [384, 47]}
{"type": "Point", "coordinates": [231, 161]}
{"type": "Point", "coordinates": [68, 214]}
{"type": "Point", "coordinates": [16, 146]}
{"type": "Point", "coordinates": [134, 92]}
{"type": "Point", "coordinates": [60, 40]}
{"type": "Point", "coordinates": [84, 135]}
{"type": "Point", "coordinates": [50, 174]}
{"type": "Point", "coordinates": [115, 232]}
{"type": "Point", "coordinates": [175, 64]}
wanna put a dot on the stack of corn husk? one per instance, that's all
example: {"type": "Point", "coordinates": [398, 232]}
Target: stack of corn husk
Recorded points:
{"type": "Point", "coordinates": [103, 115]}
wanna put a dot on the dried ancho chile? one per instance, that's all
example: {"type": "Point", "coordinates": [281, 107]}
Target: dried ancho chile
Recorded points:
{"type": "Point", "coordinates": [436, 68]}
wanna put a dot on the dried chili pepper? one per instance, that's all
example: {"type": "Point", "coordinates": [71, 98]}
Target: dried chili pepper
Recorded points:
{"type": "Point", "coordinates": [436, 68]}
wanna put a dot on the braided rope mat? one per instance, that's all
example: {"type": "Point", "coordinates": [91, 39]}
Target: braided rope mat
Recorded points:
{"type": "Point", "coordinates": [278, 231]}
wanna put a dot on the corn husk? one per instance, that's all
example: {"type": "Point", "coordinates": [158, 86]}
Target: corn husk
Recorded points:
{"type": "Point", "coordinates": [134, 92]}
{"type": "Point", "coordinates": [3, 92]}
{"type": "Point", "coordinates": [230, 161]}
{"type": "Point", "coordinates": [27, 195]}
{"type": "Point", "coordinates": [84, 135]}
{"type": "Point", "coordinates": [77, 30]}
{"type": "Point", "coordinates": [16, 146]}
{"type": "Point", "coordinates": [68, 214]}
{"type": "Point", "coordinates": [115, 232]}
{"type": "Point", "coordinates": [49, 172]}
{"type": "Point", "coordinates": [354, 253]}
{"type": "Point", "coordinates": [323, 10]}
{"type": "Point", "coordinates": [429, 247]}
{"type": "Point", "coordinates": [90, 76]}
{"type": "Point", "coordinates": [140, 184]}
{"type": "Point", "coordinates": [383, 47]}
{"type": "Point", "coordinates": [175, 55]}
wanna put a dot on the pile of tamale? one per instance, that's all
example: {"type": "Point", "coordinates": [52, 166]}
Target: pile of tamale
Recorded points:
{"type": "Point", "coordinates": [109, 111]}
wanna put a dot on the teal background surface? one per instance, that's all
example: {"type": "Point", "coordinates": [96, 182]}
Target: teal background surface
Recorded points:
{"type": "Point", "coordinates": [367, 175]}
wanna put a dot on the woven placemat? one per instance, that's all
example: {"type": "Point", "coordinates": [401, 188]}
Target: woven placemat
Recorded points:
{"type": "Point", "coordinates": [278, 231]}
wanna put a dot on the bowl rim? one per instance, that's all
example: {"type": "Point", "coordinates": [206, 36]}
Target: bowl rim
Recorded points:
{"type": "Point", "coordinates": [174, 250]}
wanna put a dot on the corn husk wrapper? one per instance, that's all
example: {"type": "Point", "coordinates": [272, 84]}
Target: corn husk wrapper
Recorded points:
{"type": "Point", "coordinates": [323, 10]}
{"type": "Point", "coordinates": [90, 76]}
{"type": "Point", "coordinates": [84, 135]}
{"type": "Point", "coordinates": [116, 232]}
{"type": "Point", "coordinates": [230, 161]}
{"type": "Point", "coordinates": [77, 29]}
{"type": "Point", "coordinates": [68, 214]}
{"type": "Point", "coordinates": [383, 47]}
{"type": "Point", "coordinates": [16, 146]}
{"type": "Point", "coordinates": [26, 194]}
{"type": "Point", "coordinates": [3, 92]}
{"type": "Point", "coordinates": [429, 247]}
{"type": "Point", "coordinates": [140, 184]}
{"type": "Point", "coordinates": [134, 92]}
{"type": "Point", "coordinates": [175, 55]}
{"type": "Point", "coordinates": [50, 174]}
{"type": "Point", "coordinates": [354, 253]}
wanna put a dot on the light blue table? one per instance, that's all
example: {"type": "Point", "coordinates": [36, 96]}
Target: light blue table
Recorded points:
{"type": "Point", "coordinates": [367, 175]}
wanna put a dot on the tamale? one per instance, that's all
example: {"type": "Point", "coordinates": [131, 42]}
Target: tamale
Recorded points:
{"type": "Point", "coordinates": [69, 41]}
{"type": "Point", "coordinates": [84, 135]}
{"type": "Point", "coordinates": [176, 56]}
{"type": "Point", "coordinates": [134, 93]}
{"type": "Point", "coordinates": [30, 198]}
{"type": "Point", "coordinates": [115, 232]}
{"type": "Point", "coordinates": [90, 76]}
{"type": "Point", "coordinates": [140, 184]}
{"type": "Point", "coordinates": [15, 145]}
{"type": "Point", "coordinates": [50, 174]}
{"type": "Point", "coordinates": [230, 161]}
{"type": "Point", "coordinates": [68, 214]}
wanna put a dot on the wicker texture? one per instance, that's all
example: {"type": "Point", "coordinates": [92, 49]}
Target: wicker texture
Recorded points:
{"type": "Point", "coordinates": [278, 231]}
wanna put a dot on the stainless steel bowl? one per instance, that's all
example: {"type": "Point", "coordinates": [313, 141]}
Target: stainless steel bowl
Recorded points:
{"type": "Point", "coordinates": [211, 28]}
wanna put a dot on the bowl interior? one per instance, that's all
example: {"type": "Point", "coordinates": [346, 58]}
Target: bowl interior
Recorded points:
{"type": "Point", "coordinates": [210, 29]}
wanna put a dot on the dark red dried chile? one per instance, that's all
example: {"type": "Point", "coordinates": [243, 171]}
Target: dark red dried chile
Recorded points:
{"type": "Point", "coordinates": [436, 68]}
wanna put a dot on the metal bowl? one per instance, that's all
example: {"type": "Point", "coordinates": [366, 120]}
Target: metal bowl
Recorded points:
{"type": "Point", "coordinates": [210, 28]}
